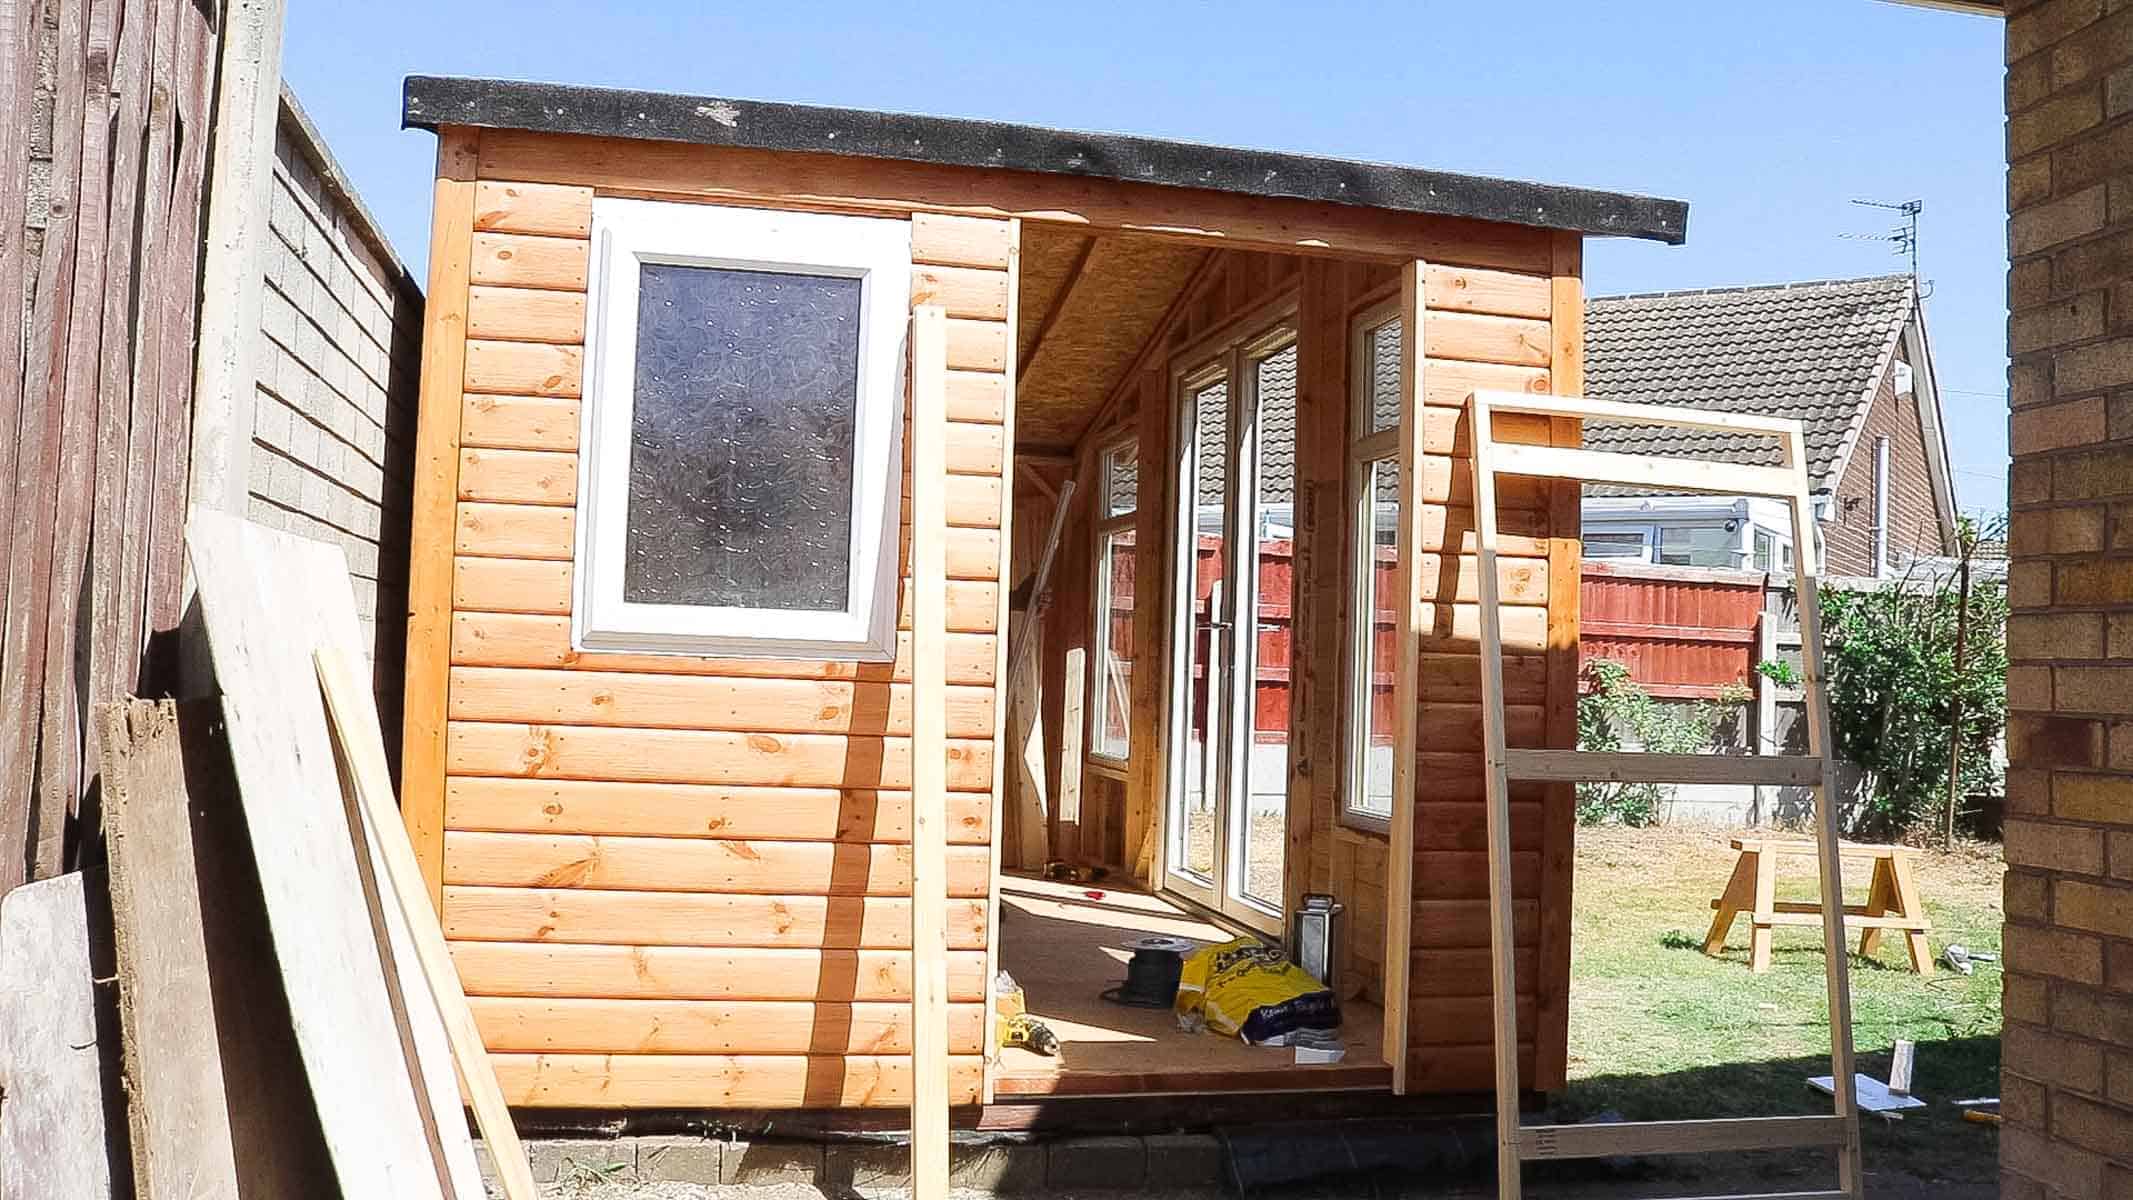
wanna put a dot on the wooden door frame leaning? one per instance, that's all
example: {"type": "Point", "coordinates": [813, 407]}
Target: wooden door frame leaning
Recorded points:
{"type": "Point", "coordinates": [1892, 902]}
{"type": "Point", "coordinates": [1516, 1141]}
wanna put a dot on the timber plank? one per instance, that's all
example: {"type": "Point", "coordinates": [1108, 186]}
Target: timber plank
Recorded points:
{"type": "Point", "coordinates": [696, 810]}
{"type": "Point", "coordinates": [602, 1025]}
{"type": "Point", "coordinates": [525, 315]}
{"type": "Point", "coordinates": [973, 501]}
{"type": "Point", "coordinates": [974, 447]}
{"type": "Point", "coordinates": [1479, 337]}
{"type": "Point", "coordinates": [518, 476]}
{"type": "Point", "coordinates": [519, 422]}
{"type": "Point", "coordinates": [721, 1081]}
{"type": "Point", "coordinates": [524, 585]}
{"type": "Point", "coordinates": [514, 531]}
{"type": "Point", "coordinates": [557, 210]}
{"type": "Point", "coordinates": [177, 1108]}
{"type": "Point", "coordinates": [704, 702]}
{"type": "Point", "coordinates": [511, 585]}
{"type": "Point", "coordinates": [1458, 626]}
{"type": "Point", "coordinates": [977, 345]}
{"type": "Point", "coordinates": [1478, 290]}
{"type": "Point", "coordinates": [532, 640]}
{"type": "Point", "coordinates": [701, 756]}
{"type": "Point", "coordinates": [1448, 382]}
{"type": "Point", "coordinates": [1206, 217]}
{"type": "Point", "coordinates": [530, 261]}
{"type": "Point", "coordinates": [977, 397]}
{"type": "Point", "coordinates": [524, 368]}
{"type": "Point", "coordinates": [601, 917]}
{"type": "Point", "coordinates": [52, 1126]}
{"type": "Point", "coordinates": [1518, 580]}
{"type": "Point", "coordinates": [366, 783]}
{"type": "Point", "coordinates": [979, 293]}
{"type": "Point", "coordinates": [703, 972]}
{"type": "Point", "coordinates": [944, 239]}
{"type": "Point", "coordinates": [42, 444]}
{"type": "Point", "coordinates": [709, 865]}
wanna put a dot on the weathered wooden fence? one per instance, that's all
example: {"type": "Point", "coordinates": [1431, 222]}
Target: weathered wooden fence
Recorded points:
{"type": "Point", "coordinates": [102, 164]}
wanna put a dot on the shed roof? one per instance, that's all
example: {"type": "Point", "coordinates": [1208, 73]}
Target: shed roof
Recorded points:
{"type": "Point", "coordinates": [433, 101]}
{"type": "Point", "coordinates": [1809, 351]}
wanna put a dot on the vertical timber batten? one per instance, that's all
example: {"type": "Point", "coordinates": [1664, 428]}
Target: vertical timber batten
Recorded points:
{"type": "Point", "coordinates": [436, 490]}
{"type": "Point", "coordinates": [1407, 694]}
{"type": "Point", "coordinates": [929, 749]}
{"type": "Point", "coordinates": [1566, 318]}
{"type": "Point", "coordinates": [1000, 664]}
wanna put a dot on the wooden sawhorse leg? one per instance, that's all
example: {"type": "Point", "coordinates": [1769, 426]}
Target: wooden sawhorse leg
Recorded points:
{"type": "Point", "coordinates": [1914, 910]}
{"type": "Point", "coordinates": [1765, 912]}
{"type": "Point", "coordinates": [1738, 897]}
{"type": "Point", "coordinates": [1880, 902]}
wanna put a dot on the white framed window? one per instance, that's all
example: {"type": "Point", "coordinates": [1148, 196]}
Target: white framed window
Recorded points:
{"type": "Point", "coordinates": [1374, 498]}
{"type": "Point", "coordinates": [1111, 667]}
{"type": "Point", "coordinates": [1617, 543]}
{"type": "Point", "coordinates": [1699, 546]}
{"type": "Point", "coordinates": [741, 461]}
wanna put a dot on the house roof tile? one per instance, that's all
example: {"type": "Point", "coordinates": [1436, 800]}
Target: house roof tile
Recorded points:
{"type": "Point", "coordinates": [1808, 351]}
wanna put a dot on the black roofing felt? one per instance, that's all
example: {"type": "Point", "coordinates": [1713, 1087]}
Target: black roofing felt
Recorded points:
{"type": "Point", "coordinates": [431, 101]}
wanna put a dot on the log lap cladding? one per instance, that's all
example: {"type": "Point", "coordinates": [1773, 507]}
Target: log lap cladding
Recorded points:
{"type": "Point", "coordinates": [668, 880]}
{"type": "Point", "coordinates": [681, 881]}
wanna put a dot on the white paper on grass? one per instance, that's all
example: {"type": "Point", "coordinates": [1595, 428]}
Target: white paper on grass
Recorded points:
{"type": "Point", "coordinates": [1874, 1095]}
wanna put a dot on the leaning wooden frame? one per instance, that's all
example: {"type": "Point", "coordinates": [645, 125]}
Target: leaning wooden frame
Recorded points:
{"type": "Point", "coordinates": [1517, 1143]}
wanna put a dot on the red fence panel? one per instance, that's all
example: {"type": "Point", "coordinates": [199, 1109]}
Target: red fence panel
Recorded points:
{"type": "Point", "coordinates": [1682, 631]}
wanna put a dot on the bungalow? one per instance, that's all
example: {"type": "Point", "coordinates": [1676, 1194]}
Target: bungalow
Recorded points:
{"type": "Point", "coordinates": [1847, 357]}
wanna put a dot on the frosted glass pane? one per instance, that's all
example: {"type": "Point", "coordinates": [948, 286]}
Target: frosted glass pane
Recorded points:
{"type": "Point", "coordinates": [741, 439]}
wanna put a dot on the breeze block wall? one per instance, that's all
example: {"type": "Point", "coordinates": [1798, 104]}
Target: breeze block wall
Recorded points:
{"type": "Point", "coordinates": [2067, 1050]}
{"type": "Point", "coordinates": [338, 353]}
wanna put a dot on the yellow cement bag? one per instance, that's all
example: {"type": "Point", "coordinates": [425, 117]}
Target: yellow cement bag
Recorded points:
{"type": "Point", "coordinates": [1248, 990]}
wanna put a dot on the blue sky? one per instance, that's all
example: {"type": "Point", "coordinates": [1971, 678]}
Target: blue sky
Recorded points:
{"type": "Point", "coordinates": [1768, 118]}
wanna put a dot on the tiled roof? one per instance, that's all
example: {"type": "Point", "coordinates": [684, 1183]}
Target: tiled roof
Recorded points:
{"type": "Point", "coordinates": [1803, 350]}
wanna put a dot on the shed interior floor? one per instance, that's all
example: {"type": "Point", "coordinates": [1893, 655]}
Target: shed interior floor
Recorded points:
{"type": "Point", "coordinates": [1061, 943]}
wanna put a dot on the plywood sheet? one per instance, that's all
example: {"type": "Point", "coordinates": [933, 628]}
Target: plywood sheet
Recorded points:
{"type": "Point", "coordinates": [52, 1126]}
{"type": "Point", "coordinates": [1099, 327]}
{"type": "Point", "coordinates": [268, 601]}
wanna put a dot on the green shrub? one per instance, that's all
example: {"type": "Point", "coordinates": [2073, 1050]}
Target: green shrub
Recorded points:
{"type": "Point", "coordinates": [1612, 705]}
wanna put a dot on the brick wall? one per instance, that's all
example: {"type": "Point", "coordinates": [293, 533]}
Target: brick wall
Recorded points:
{"type": "Point", "coordinates": [332, 432]}
{"type": "Point", "coordinates": [1914, 519]}
{"type": "Point", "coordinates": [2068, 1049]}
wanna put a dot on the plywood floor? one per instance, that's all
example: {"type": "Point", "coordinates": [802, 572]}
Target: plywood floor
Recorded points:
{"type": "Point", "coordinates": [1060, 941]}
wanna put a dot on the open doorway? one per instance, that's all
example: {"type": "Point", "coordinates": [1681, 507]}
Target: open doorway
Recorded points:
{"type": "Point", "coordinates": [1174, 591]}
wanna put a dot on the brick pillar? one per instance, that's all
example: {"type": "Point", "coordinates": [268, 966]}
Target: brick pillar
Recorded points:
{"type": "Point", "coordinates": [2067, 1091]}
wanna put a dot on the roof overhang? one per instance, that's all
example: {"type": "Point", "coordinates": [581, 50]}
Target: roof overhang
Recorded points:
{"type": "Point", "coordinates": [1982, 8]}
{"type": "Point", "coordinates": [431, 101]}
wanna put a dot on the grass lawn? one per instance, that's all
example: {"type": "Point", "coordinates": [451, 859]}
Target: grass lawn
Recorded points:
{"type": "Point", "coordinates": [1661, 1031]}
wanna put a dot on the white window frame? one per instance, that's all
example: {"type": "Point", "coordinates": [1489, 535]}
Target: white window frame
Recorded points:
{"type": "Point", "coordinates": [626, 234]}
{"type": "Point", "coordinates": [1127, 447]}
{"type": "Point", "coordinates": [1365, 450]}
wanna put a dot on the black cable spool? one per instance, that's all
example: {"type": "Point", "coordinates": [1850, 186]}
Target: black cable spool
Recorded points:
{"type": "Point", "coordinates": [1152, 973]}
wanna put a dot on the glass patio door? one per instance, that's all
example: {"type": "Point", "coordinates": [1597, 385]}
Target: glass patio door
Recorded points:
{"type": "Point", "coordinates": [1227, 810]}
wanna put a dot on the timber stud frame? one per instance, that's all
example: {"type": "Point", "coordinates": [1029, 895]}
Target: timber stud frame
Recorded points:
{"type": "Point", "coordinates": [1517, 1143]}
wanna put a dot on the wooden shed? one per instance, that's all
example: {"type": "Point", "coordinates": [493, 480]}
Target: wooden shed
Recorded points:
{"type": "Point", "coordinates": [1210, 625]}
